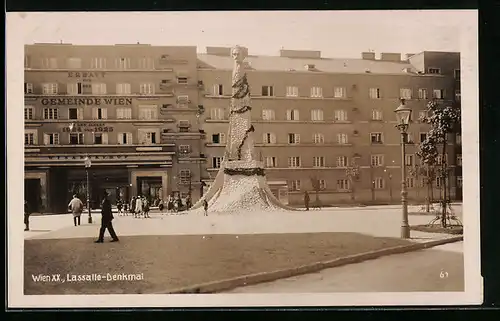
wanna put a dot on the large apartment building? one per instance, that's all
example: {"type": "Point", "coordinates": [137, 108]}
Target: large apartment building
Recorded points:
{"type": "Point", "coordinates": [153, 120]}
{"type": "Point", "coordinates": [132, 109]}
{"type": "Point", "coordinates": [314, 116]}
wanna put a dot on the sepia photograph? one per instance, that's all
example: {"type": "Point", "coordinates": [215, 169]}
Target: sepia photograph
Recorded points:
{"type": "Point", "coordinates": [268, 158]}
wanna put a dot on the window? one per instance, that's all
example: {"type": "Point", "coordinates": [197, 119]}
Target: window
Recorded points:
{"type": "Point", "coordinates": [146, 63]}
{"type": "Point", "coordinates": [30, 137]}
{"type": "Point", "coordinates": [342, 161]}
{"type": "Point", "coordinates": [98, 89]}
{"type": "Point", "coordinates": [422, 93]}
{"type": "Point", "coordinates": [316, 92]}
{"type": "Point", "coordinates": [460, 181]}
{"type": "Point", "coordinates": [216, 162]}
{"type": "Point", "coordinates": [99, 113]}
{"type": "Point", "coordinates": [343, 185]}
{"type": "Point", "coordinates": [218, 90]}
{"type": "Point", "coordinates": [376, 114]}
{"type": "Point", "coordinates": [125, 138]}
{"type": "Point", "coordinates": [182, 80]}
{"type": "Point", "coordinates": [269, 138]}
{"type": "Point", "coordinates": [433, 71]}
{"type": "Point", "coordinates": [405, 93]}
{"type": "Point", "coordinates": [28, 88]}
{"type": "Point", "coordinates": [319, 161]}
{"type": "Point", "coordinates": [342, 139]}
{"type": "Point", "coordinates": [217, 113]}
{"type": "Point", "coordinates": [378, 183]}
{"type": "Point", "coordinates": [293, 138]}
{"type": "Point", "coordinates": [219, 138]}
{"type": "Point", "coordinates": [292, 114]}
{"type": "Point", "coordinates": [423, 137]}
{"type": "Point", "coordinates": [339, 92]}
{"type": "Point", "coordinates": [123, 89]}
{"type": "Point", "coordinates": [377, 160]}
{"type": "Point", "coordinates": [459, 159]}
{"type": "Point", "coordinates": [182, 101]}
{"type": "Point", "coordinates": [51, 139]}
{"type": "Point", "coordinates": [317, 115]}
{"type": "Point", "coordinates": [376, 138]}
{"type": "Point", "coordinates": [318, 138]}
{"type": "Point", "coordinates": [147, 89]}
{"type": "Point", "coordinates": [322, 184]}
{"type": "Point", "coordinates": [76, 139]}
{"type": "Point", "coordinates": [98, 63]}
{"type": "Point", "coordinates": [29, 112]}
{"type": "Point", "coordinates": [410, 182]}
{"type": "Point", "coordinates": [458, 138]}
{"type": "Point", "coordinates": [294, 161]}
{"type": "Point", "coordinates": [408, 138]}
{"type": "Point", "coordinates": [148, 136]}
{"type": "Point", "coordinates": [122, 63]}
{"type": "Point", "coordinates": [271, 161]}
{"type": "Point", "coordinates": [100, 138]}
{"type": "Point", "coordinates": [124, 113]}
{"type": "Point", "coordinates": [438, 93]}
{"type": "Point", "coordinates": [410, 160]}
{"type": "Point", "coordinates": [340, 115]}
{"type": "Point", "coordinates": [49, 89]}
{"type": "Point", "coordinates": [456, 74]}
{"type": "Point", "coordinates": [49, 63]}
{"type": "Point", "coordinates": [439, 182]}
{"type": "Point", "coordinates": [184, 126]}
{"type": "Point", "coordinates": [422, 114]}
{"type": "Point", "coordinates": [294, 185]}
{"type": "Point", "coordinates": [292, 91]}
{"type": "Point", "coordinates": [268, 114]}
{"type": "Point", "coordinates": [457, 95]}
{"type": "Point", "coordinates": [50, 113]}
{"type": "Point", "coordinates": [184, 176]}
{"type": "Point", "coordinates": [148, 112]}
{"type": "Point", "coordinates": [27, 61]}
{"type": "Point", "coordinates": [440, 158]}
{"type": "Point", "coordinates": [374, 93]}
{"type": "Point", "coordinates": [75, 113]}
{"type": "Point", "coordinates": [74, 63]}
{"type": "Point", "coordinates": [267, 91]}
{"type": "Point", "coordinates": [82, 88]}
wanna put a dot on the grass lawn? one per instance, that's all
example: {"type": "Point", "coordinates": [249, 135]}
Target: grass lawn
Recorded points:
{"type": "Point", "coordinates": [438, 229]}
{"type": "Point", "coordinates": [168, 262]}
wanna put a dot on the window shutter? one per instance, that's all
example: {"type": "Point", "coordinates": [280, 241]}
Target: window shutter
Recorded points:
{"type": "Point", "coordinates": [222, 138]}
{"type": "Point", "coordinates": [120, 138]}
{"type": "Point", "coordinates": [104, 113]}
{"type": "Point", "coordinates": [104, 138]}
{"type": "Point", "coordinates": [94, 113]}
{"type": "Point", "coordinates": [79, 113]}
{"type": "Point", "coordinates": [264, 138]}
{"type": "Point", "coordinates": [297, 138]}
{"type": "Point", "coordinates": [142, 136]}
{"type": "Point", "coordinates": [46, 139]}
{"type": "Point", "coordinates": [129, 138]}
{"type": "Point", "coordinates": [273, 138]}
{"type": "Point", "coordinates": [103, 88]}
{"type": "Point", "coordinates": [289, 115]}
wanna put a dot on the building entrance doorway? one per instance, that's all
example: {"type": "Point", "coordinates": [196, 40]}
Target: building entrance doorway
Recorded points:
{"type": "Point", "coordinates": [32, 195]}
{"type": "Point", "coordinates": [150, 187]}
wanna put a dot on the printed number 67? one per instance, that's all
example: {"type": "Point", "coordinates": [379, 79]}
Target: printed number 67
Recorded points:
{"type": "Point", "coordinates": [443, 275]}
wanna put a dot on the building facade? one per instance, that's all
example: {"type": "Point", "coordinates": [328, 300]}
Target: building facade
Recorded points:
{"type": "Point", "coordinates": [153, 120]}
{"type": "Point", "coordinates": [318, 121]}
{"type": "Point", "coordinates": [132, 109]}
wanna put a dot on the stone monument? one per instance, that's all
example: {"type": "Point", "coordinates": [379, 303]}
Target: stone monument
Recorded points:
{"type": "Point", "coordinates": [240, 184]}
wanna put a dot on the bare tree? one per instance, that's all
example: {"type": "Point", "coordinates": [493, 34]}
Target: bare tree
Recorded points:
{"type": "Point", "coordinates": [316, 184]}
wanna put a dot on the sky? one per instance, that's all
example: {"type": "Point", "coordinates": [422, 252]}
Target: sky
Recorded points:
{"type": "Point", "coordinates": [337, 34]}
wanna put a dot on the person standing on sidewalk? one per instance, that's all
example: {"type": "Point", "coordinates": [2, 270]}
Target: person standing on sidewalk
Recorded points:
{"type": "Point", "coordinates": [138, 207]}
{"type": "Point", "coordinates": [106, 218]}
{"type": "Point", "coordinates": [119, 207]}
{"type": "Point", "coordinates": [27, 213]}
{"type": "Point", "coordinates": [306, 200]}
{"type": "Point", "coordinates": [76, 207]}
{"type": "Point", "coordinates": [205, 207]}
{"type": "Point", "coordinates": [132, 205]}
{"type": "Point", "coordinates": [145, 207]}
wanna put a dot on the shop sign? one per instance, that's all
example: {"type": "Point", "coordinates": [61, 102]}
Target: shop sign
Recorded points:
{"type": "Point", "coordinates": [89, 127]}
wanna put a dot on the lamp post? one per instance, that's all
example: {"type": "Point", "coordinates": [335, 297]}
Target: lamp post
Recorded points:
{"type": "Point", "coordinates": [352, 172]}
{"type": "Point", "coordinates": [200, 112]}
{"type": "Point", "coordinates": [88, 163]}
{"type": "Point", "coordinates": [403, 116]}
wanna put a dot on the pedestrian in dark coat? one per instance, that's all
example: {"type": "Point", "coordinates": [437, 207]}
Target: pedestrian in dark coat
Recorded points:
{"type": "Point", "coordinates": [27, 213]}
{"type": "Point", "coordinates": [306, 200]}
{"type": "Point", "coordinates": [205, 207]}
{"type": "Point", "coordinates": [107, 217]}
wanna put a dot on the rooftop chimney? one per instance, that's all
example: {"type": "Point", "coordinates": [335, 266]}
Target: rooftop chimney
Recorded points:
{"type": "Point", "coordinates": [389, 56]}
{"type": "Point", "coordinates": [368, 55]}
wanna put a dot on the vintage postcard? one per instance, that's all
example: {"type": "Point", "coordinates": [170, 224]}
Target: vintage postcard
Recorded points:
{"type": "Point", "coordinates": [196, 159]}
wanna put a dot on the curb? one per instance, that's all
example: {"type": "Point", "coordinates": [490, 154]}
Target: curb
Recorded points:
{"type": "Point", "coordinates": [245, 280]}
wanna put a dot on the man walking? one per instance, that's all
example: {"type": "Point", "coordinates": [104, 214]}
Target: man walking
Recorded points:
{"type": "Point", "coordinates": [205, 207]}
{"type": "Point", "coordinates": [138, 207]}
{"type": "Point", "coordinates": [76, 207]}
{"type": "Point", "coordinates": [306, 200]}
{"type": "Point", "coordinates": [107, 217]}
{"type": "Point", "coordinates": [27, 213]}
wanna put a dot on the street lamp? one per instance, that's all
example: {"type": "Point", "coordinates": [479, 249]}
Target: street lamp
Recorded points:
{"type": "Point", "coordinates": [403, 116]}
{"type": "Point", "coordinates": [200, 112]}
{"type": "Point", "coordinates": [88, 163]}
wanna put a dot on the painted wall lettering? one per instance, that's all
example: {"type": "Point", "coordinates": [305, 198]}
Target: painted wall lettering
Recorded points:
{"type": "Point", "coordinates": [86, 101]}
{"type": "Point", "coordinates": [89, 74]}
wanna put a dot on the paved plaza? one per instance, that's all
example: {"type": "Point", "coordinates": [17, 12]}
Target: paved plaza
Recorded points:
{"type": "Point", "coordinates": [437, 269]}
{"type": "Point", "coordinates": [382, 221]}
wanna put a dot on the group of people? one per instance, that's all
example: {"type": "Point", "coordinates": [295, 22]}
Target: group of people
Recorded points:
{"type": "Point", "coordinates": [139, 207]}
